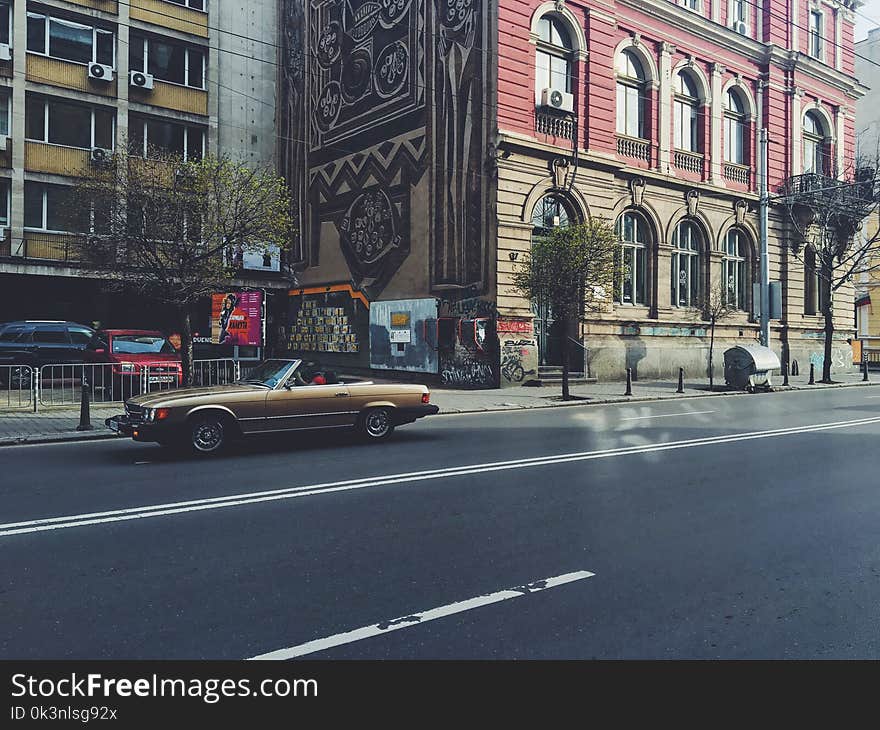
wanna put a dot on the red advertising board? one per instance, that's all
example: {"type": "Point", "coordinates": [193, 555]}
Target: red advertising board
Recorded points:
{"type": "Point", "coordinates": [237, 318]}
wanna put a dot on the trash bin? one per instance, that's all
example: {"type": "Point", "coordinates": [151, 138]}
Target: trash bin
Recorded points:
{"type": "Point", "coordinates": [747, 367]}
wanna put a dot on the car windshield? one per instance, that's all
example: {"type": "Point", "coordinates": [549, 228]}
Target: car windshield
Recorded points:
{"type": "Point", "coordinates": [269, 372]}
{"type": "Point", "coordinates": [141, 344]}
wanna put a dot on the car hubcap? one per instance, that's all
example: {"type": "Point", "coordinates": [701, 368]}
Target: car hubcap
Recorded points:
{"type": "Point", "coordinates": [377, 423]}
{"type": "Point", "coordinates": [207, 436]}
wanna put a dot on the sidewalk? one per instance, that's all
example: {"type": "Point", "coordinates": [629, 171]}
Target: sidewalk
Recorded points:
{"type": "Point", "coordinates": [59, 424]}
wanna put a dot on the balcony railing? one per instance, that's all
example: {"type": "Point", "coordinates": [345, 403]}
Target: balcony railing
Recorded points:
{"type": "Point", "coordinates": [70, 75]}
{"type": "Point", "coordinates": [637, 149]}
{"type": "Point", "coordinates": [554, 125]}
{"type": "Point", "coordinates": [688, 161]}
{"type": "Point", "coordinates": [172, 96]}
{"type": "Point", "coordinates": [49, 246]}
{"type": "Point", "coordinates": [737, 173]}
{"type": "Point", "coordinates": [170, 15]}
{"type": "Point", "coordinates": [55, 159]}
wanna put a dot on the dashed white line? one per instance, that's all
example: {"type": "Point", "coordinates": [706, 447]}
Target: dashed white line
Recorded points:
{"type": "Point", "coordinates": [666, 415]}
{"type": "Point", "coordinates": [422, 617]}
{"type": "Point", "coordinates": [234, 500]}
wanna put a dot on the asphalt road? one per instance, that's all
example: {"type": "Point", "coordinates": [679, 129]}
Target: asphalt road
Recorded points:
{"type": "Point", "coordinates": [723, 527]}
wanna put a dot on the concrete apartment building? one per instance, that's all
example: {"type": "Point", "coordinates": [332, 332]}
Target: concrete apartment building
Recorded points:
{"type": "Point", "coordinates": [79, 77]}
{"type": "Point", "coordinates": [433, 140]}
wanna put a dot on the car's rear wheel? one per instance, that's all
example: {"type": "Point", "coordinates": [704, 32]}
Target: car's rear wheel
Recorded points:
{"type": "Point", "coordinates": [208, 434]}
{"type": "Point", "coordinates": [376, 424]}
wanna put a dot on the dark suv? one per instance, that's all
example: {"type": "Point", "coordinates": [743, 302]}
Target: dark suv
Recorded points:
{"type": "Point", "coordinates": [38, 343]}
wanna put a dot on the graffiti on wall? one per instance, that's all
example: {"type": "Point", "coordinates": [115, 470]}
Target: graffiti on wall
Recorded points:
{"type": "Point", "coordinates": [518, 351]}
{"type": "Point", "coordinates": [459, 142]}
{"type": "Point", "coordinates": [467, 342]}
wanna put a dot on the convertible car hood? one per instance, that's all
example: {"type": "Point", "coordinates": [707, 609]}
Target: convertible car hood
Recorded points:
{"type": "Point", "coordinates": [212, 393]}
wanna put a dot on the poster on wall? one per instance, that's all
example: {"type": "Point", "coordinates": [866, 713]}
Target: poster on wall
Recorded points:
{"type": "Point", "coordinates": [237, 318]}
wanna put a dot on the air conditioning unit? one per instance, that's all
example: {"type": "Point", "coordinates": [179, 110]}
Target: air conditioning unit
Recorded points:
{"type": "Point", "coordinates": [740, 27]}
{"type": "Point", "coordinates": [3, 142]}
{"type": "Point", "coordinates": [100, 156]}
{"type": "Point", "coordinates": [140, 80]}
{"type": "Point", "coordinates": [556, 99]}
{"type": "Point", "coordinates": [5, 52]}
{"type": "Point", "coordinates": [99, 72]}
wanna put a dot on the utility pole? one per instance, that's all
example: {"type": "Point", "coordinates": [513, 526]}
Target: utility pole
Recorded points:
{"type": "Point", "coordinates": [764, 202]}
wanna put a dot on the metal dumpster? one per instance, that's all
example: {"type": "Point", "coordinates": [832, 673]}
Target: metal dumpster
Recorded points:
{"type": "Point", "coordinates": [747, 367]}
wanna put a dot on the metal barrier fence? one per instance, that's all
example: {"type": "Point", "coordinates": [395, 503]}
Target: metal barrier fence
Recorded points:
{"type": "Point", "coordinates": [61, 384]}
{"type": "Point", "coordinates": [17, 383]}
{"type": "Point", "coordinates": [871, 355]}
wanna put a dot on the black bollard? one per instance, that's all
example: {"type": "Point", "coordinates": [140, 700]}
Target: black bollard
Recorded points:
{"type": "Point", "coordinates": [680, 381]}
{"type": "Point", "coordinates": [794, 368]}
{"type": "Point", "coordinates": [864, 370]}
{"type": "Point", "coordinates": [812, 374]}
{"type": "Point", "coordinates": [85, 423]}
{"type": "Point", "coordinates": [629, 382]}
{"type": "Point", "coordinates": [785, 374]}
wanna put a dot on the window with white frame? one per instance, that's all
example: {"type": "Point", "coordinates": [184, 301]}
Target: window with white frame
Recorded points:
{"type": "Point", "coordinates": [192, 4]}
{"type": "Point", "coordinates": [554, 58]}
{"type": "Point", "coordinates": [687, 113]}
{"type": "Point", "coordinates": [175, 63]}
{"type": "Point", "coordinates": [739, 16]}
{"type": "Point", "coordinates": [816, 144]}
{"type": "Point", "coordinates": [149, 133]}
{"type": "Point", "coordinates": [735, 269]}
{"type": "Point", "coordinates": [631, 95]}
{"type": "Point", "coordinates": [5, 111]}
{"type": "Point", "coordinates": [4, 202]}
{"type": "Point", "coordinates": [687, 250]}
{"type": "Point", "coordinates": [631, 286]}
{"type": "Point", "coordinates": [690, 4]}
{"type": "Point", "coordinates": [69, 41]}
{"type": "Point", "coordinates": [5, 23]}
{"type": "Point", "coordinates": [72, 125]}
{"type": "Point", "coordinates": [735, 129]}
{"type": "Point", "coordinates": [46, 207]}
{"type": "Point", "coordinates": [816, 49]}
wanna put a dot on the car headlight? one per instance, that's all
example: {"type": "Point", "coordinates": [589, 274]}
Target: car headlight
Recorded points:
{"type": "Point", "coordinates": [149, 414]}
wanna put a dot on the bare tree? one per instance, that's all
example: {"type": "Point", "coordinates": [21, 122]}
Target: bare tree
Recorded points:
{"type": "Point", "coordinates": [715, 305]}
{"type": "Point", "coordinates": [571, 270]}
{"type": "Point", "coordinates": [827, 216]}
{"type": "Point", "coordinates": [165, 227]}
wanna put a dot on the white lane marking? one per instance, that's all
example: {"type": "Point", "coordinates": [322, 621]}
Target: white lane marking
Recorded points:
{"type": "Point", "coordinates": [233, 500]}
{"type": "Point", "coordinates": [872, 396]}
{"type": "Point", "coordinates": [416, 619]}
{"type": "Point", "coordinates": [666, 415]}
{"type": "Point", "coordinates": [139, 463]}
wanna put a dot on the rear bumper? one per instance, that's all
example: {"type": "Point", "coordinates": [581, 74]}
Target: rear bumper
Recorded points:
{"type": "Point", "coordinates": [408, 415]}
{"type": "Point", "coordinates": [138, 431]}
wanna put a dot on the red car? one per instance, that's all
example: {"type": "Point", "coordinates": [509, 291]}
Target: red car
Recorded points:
{"type": "Point", "coordinates": [136, 356]}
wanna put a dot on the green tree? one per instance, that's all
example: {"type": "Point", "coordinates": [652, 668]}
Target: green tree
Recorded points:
{"type": "Point", "coordinates": [572, 270]}
{"type": "Point", "coordinates": [166, 228]}
{"type": "Point", "coordinates": [714, 306]}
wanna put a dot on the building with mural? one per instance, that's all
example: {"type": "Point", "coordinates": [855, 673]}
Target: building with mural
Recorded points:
{"type": "Point", "coordinates": [80, 78]}
{"type": "Point", "coordinates": [430, 141]}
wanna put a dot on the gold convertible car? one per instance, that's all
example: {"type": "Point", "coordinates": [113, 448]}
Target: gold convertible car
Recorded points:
{"type": "Point", "coordinates": [278, 395]}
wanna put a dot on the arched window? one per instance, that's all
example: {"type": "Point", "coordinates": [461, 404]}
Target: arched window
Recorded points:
{"type": "Point", "coordinates": [551, 211]}
{"type": "Point", "coordinates": [631, 95]}
{"type": "Point", "coordinates": [687, 247]}
{"type": "Point", "coordinates": [815, 144]}
{"type": "Point", "coordinates": [736, 269]}
{"type": "Point", "coordinates": [555, 57]}
{"type": "Point", "coordinates": [736, 145]}
{"type": "Point", "coordinates": [814, 294]}
{"type": "Point", "coordinates": [631, 285]}
{"type": "Point", "coordinates": [687, 113]}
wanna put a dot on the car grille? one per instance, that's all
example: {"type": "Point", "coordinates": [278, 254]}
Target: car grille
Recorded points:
{"type": "Point", "coordinates": [164, 369]}
{"type": "Point", "coordinates": [135, 413]}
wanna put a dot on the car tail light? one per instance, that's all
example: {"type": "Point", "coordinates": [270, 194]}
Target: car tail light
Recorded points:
{"type": "Point", "coordinates": [426, 397]}
{"type": "Point", "coordinates": [161, 414]}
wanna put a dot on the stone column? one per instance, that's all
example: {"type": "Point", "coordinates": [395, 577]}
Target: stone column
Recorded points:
{"type": "Point", "coordinates": [797, 152]}
{"type": "Point", "coordinates": [716, 149]}
{"type": "Point", "coordinates": [16, 130]}
{"type": "Point", "coordinates": [839, 137]}
{"type": "Point", "coordinates": [122, 30]}
{"type": "Point", "coordinates": [664, 115]}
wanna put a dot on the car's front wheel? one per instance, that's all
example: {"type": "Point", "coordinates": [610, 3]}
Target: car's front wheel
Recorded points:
{"type": "Point", "coordinates": [376, 424]}
{"type": "Point", "coordinates": [208, 434]}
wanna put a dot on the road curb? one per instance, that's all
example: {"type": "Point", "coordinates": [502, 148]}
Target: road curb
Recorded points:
{"type": "Point", "coordinates": [98, 435]}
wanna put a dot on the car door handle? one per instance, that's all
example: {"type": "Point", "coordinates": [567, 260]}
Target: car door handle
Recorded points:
{"type": "Point", "coordinates": [343, 394]}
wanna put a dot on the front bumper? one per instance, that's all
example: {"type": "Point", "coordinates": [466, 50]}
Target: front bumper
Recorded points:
{"type": "Point", "coordinates": [408, 415]}
{"type": "Point", "coordinates": [138, 431]}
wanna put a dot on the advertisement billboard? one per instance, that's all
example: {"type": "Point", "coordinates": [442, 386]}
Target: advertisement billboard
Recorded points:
{"type": "Point", "coordinates": [237, 318]}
